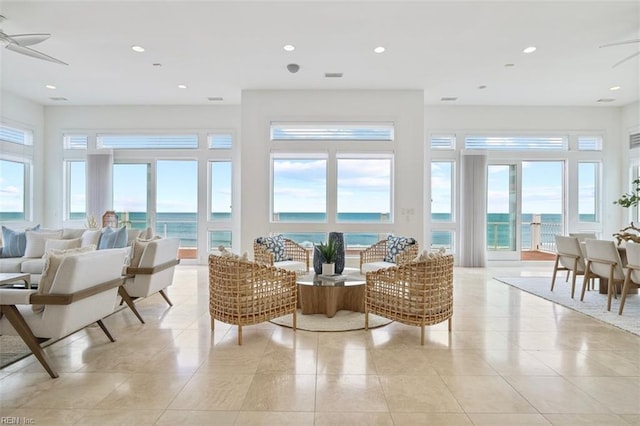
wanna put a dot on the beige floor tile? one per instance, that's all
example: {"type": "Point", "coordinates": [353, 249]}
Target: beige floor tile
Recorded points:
{"type": "Point", "coordinates": [418, 394]}
{"type": "Point", "coordinates": [491, 419]}
{"type": "Point", "coordinates": [350, 393]}
{"type": "Point", "coordinates": [460, 362]}
{"type": "Point", "coordinates": [632, 419]}
{"type": "Point", "coordinates": [290, 361]}
{"type": "Point", "coordinates": [573, 363]}
{"type": "Point", "coordinates": [250, 418]}
{"type": "Point", "coordinates": [357, 339]}
{"type": "Point", "coordinates": [280, 392]}
{"type": "Point", "coordinates": [345, 361]}
{"type": "Point", "coordinates": [516, 363]}
{"type": "Point", "coordinates": [555, 395]}
{"type": "Point", "coordinates": [197, 418]}
{"type": "Point", "coordinates": [223, 391]}
{"type": "Point", "coordinates": [486, 394]}
{"type": "Point", "coordinates": [286, 338]}
{"type": "Point", "coordinates": [619, 394]}
{"type": "Point", "coordinates": [145, 391]}
{"type": "Point", "coordinates": [587, 419]}
{"type": "Point", "coordinates": [623, 363]}
{"type": "Point", "coordinates": [402, 361]}
{"type": "Point", "coordinates": [116, 416]}
{"type": "Point", "coordinates": [353, 419]}
{"type": "Point", "coordinates": [414, 419]}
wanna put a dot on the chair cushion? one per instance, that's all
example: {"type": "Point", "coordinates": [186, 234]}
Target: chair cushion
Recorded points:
{"type": "Point", "coordinates": [291, 265]}
{"type": "Point", "coordinates": [396, 245]}
{"type": "Point", "coordinates": [374, 266]}
{"type": "Point", "coordinates": [275, 245]}
{"type": "Point", "coordinates": [137, 249]}
{"type": "Point", "coordinates": [52, 244]}
{"type": "Point", "coordinates": [15, 242]}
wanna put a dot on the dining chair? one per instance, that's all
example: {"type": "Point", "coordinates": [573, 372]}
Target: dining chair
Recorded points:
{"type": "Point", "coordinates": [569, 257]}
{"type": "Point", "coordinates": [603, 261]}
{"type": "Point", "coordinates": [583, 236]}
{"type": "Point", "coordinates": [633, 272]}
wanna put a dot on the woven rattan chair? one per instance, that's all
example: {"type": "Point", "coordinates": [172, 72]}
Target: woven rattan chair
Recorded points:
{"type": "Point", "coordinates": [298, 256]}
{"type": "Point", "coordinates": [415, 293]}
{"type": "Point", "coordinates": [246, 293]}
{"type": "Point", "coordinates": [376, 254]}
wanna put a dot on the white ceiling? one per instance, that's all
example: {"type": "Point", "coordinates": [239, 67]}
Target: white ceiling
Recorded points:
{"type": "Point", "coordinates": [219, 48]}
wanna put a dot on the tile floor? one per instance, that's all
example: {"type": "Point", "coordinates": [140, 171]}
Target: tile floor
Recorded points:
{"type": "Point", "coordinates": [512, 358]}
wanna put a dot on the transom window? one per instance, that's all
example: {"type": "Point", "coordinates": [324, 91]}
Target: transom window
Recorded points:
{"type": "Point", "coordinates": [332, 132]}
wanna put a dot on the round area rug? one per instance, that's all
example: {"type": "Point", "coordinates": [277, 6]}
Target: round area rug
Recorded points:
{"type": "Point", "coordinates": [342, 321]}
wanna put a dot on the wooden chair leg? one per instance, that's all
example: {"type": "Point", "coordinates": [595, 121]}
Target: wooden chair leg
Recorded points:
{"type": "Point", "coordinates": [585, 280]}
{"type": "Point", "coordinates": [449, 321]}
{"type": "Point", "coordinates": [422, 335]}
{"type": "Point", "coordinates": [295, 319]}
{"type": "Point", "coordinates": [212, 323]}
{"type": "Point", "coordinates": [555, 272]}
{"type": "Point", "coordinates": [611, 288]}
{"type": "Point", "coordinates": [129, 301]}
{"type": "Point", "coordinates": [239, 335]}
{"type": "Point", "coordinates": [163, 294]}
{"type": "Point", "coordinates": [106, 331]}
{"type": "Point", "coordinates": [22, 328]}
{"type": "Point", "coordinates": [366, 320]}
{"type": "Point", "coordinates": [625, 289]}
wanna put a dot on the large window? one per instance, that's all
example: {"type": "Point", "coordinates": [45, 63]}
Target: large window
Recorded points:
{"type": "Point", "coordinates": [220, 172]}
{"type": "Point", "coordinates": [588, 191]}
{"type": "Point", "coordinates": [12, 187]}
{"type": "Point", "coordinates": [442, 191]}
{"type": "Point", "coordinates": [299, 188]}
{"type": "Point", "coordinates": [76, 189]}
{"type": "Point", "coordinates": [364, 190]}
{"type": "Point", "coordinates": [131, 194]}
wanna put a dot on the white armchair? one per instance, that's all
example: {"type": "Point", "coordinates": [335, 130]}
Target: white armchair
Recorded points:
{"type": "Point", "coordinates": [83, 291]}
{"type": "Point", "coordinates": [151, 271]}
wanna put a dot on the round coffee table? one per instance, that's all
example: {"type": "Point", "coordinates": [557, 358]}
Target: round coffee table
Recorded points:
{"type": "Point", "coordinates": [318, 294]}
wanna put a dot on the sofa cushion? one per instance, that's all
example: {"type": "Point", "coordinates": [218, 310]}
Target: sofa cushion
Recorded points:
{"type": "Point", "coordinates": [396, 245]}
{"type": "Point", "coordinates": [12, 264]}
{"type": "Point", "coordinates": [36, 241]}
{"type": "Point", "coordinates": [71, 233]}
{"type": "Point", "coordinates": [132, 234]}
{"type": "Point", "coordinates": [51, 264]}
{"type": "Point", "coordinates": [90, 236]}
{"type": "Point", "coordinates": [14, 243]}
{"type": "Point", "coordinates": [275, 245]}
{"type": "Point", "coordinates": [32, 266]}
{"type": "Point", "coordinates": [52, 244]}
{"type": "Point", "coordinates": [113, 239]}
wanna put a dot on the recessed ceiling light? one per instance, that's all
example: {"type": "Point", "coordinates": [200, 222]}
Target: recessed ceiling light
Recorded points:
{"type": "Point", "coordinates": [182, 86]}
{"type": "Point", "coordinates": [215, 98]}
{"type": "Point", "coordinates": [50, 86]}
{"type": "Point", "coordinates": [58, 99]}
{"type": "Point", "coordinates": [333, 74]}
{"type": "Point", "coordinates": [509, 65]}
{"type": "Point", "coordinates": [605, 100]}
{"type": "Point", "coordinates": [482, 87]}
{"type": "Point", "coordinates": [449, 99]}
{"type": "Point", "coordinates": [614, 88]}
{"type": "Point", "coordinates": [137, 48]}
{"type": "Point", "coordinates": [529, 49]}
{"type": "Point", "coordinates": [157, 64]}
{"type": "Point", "coordinates": [289, 47]}
{"type": "Point", "coordinates": [379, 49]}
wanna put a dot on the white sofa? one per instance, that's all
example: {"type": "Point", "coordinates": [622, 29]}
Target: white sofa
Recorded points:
{"type": "Point", "coordinates": [38, 240]}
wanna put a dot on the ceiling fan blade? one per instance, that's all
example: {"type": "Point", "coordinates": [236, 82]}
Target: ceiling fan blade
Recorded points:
{"type": "Point", "coordinates": [620, 42]}
{"type": "Point", "coordinates": [28, 39]}
{"type": "Point", "coordinates": [33, 53]}
{"type": "Point", "coordinates": [626, 59]}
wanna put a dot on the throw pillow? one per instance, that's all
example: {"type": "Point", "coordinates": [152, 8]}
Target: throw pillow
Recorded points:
{"type": "Point", "coordinates": [275, 245]}
{"type": "Point", "coordinates": [90, 236]}
{"type": "Point", "coordinates": [71, 233]}
{"type": "Point", "coordinates": [138, 248]}
{"type": "Point", "coordinates": [227, 253]}
{"type": "Point", "coordinates": [113, 239]}
{"type": "Point", "coordinates": [60, 245]}
{"type": "Point", "coordinates": [52, 262]}
{"type": "Point", "coordinates": [36, 241]}
{"type": "Point", "coordinates": [14, 242]}
{"type": "Point", "coordinates": [396, 245]}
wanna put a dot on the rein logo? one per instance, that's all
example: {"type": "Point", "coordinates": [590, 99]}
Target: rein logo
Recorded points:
{"type": "Point", "coordinates": [5, 420]}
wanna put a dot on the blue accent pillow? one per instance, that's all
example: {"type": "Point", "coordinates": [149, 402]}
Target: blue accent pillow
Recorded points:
{"type": "Point", "coordinates": [396, 245]}
{"type": "Point", "coordinates": [14, 242]}
{"type": "Point", "coordinates": [275, 245]}
{"type": "Point", "coordinates": [113, 239]}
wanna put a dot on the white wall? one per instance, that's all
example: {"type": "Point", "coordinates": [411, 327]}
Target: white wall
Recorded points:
{"type": "Point", "coordinates": [630, 123]}
{"type": "Point", "coordinates": [23, 113]}
{"type": "Point", "coordinates": [404, 108]}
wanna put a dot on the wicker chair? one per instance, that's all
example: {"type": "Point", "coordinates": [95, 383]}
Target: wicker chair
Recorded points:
{"type": "Point", "coordinates": [246, 293]}
{"type": "Point", "coordinates": [298, 256]}
{"type": "Point", "coordinates": [415, 293]}
{"type": "Point", "coordinates": [376, 254]}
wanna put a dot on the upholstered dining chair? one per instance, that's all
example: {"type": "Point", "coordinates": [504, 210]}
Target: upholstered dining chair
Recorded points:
{"type": "Point", "coordinates": [418, 293]}
{"type": "Point", "coordinates": [603, 261]}
{"type": "Point", "coordinates": [569, 258]}
{"type": "Point", "coordinates": [633, 272]}
{"type": "Point", "coordinates": [243, 293]}
{"type": "Point", "coordinates": [583, 236]}
{"type": "Point", "coordinates": [387, 253]}
{"type": "Point", "coordinates": [281, 252]}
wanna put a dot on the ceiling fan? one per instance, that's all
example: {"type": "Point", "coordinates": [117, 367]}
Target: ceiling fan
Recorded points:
{"type": "Point", "coordinates": [618, 44]}
{"type": "Point", "coordinates": [19, 42]}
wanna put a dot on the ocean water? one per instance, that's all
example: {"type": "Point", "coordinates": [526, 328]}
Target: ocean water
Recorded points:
{"type": "Point", "coordinates": [184, 227]}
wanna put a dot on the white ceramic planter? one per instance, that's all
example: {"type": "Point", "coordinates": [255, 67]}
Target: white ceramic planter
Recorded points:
{"type": "Point", "coordinates": [328, 268]}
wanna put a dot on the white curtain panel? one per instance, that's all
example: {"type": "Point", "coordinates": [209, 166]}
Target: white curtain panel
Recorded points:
{"type": "Point", "coordinates": [99, 176]}
{"type": "Point", "coordinates": [473, 209]}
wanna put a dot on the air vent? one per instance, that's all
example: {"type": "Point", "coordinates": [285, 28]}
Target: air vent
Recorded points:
{"type": "Point", "coordinates": [448, 99]}
{"type": "Point", "coordinates": [605, 100]}
{"type": "Point", "coordinates": [634, 140]}
{"type": "Point", "coordinates": [58, 98]}
{"type": "Point", "coordinates": [215, 99]}
{"type": "Point", "coordinates": [333, 75]}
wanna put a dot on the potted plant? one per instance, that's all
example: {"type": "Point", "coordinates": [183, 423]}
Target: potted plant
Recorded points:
{"type": "Point", "coordinates": [328, 253]}
{"type": "Point", "coordinates": [630, 199]}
